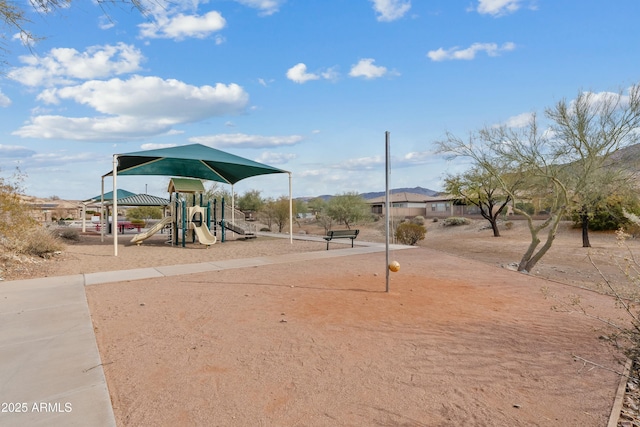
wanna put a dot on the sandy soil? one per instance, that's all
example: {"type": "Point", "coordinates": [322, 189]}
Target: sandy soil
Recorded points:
{"type": "Point", "coordinates": [459, 340]}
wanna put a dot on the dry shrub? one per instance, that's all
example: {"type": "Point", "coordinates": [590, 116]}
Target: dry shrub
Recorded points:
{"type": "Point", "coordinates": [455, 220]}
{"type": "Point", "coordinates": [36, 242]}
{"type": "Point", "coordinates": [409, 233]}
{"type": "Point", "coordinates": [15, 215]}
{"type": "Point", "coordinates": [70, 234]}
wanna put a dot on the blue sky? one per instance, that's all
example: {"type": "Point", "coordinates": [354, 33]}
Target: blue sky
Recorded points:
{"type": "Point", "coordinates": [308, 86]}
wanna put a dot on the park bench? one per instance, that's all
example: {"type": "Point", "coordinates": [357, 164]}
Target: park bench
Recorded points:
{"type": "Point", "coordinates": [341, 234]}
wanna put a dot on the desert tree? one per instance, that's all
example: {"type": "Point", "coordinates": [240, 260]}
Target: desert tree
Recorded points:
{"type": "Point", "coordinates": [16, 20]}
{"type": "Point", "coordinates": [567, 164]}
{"type": "Point", "coordinates": [524, 152]}
{"type": "Point", "coordinates": [586, 133]}
{"type": "Point", "coordinates": [250, 201]}
{"type": "Point", "coordinates": [276, 212]}
{"type": "Point", "coordinates": [348, 208]}
{"type": "Point", "coordinates": [479, 187]}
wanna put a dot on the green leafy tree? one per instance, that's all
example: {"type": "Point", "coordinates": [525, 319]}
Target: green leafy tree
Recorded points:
{"type": "Point", "coordinates": [301, 206]}
{"type": "Point", "coordinates": [348, 209]}
{"type": "Point", "coordinates": [250, 201]}
{"type": "Point", "coordinates": [564, 166]}
{"type": "Point", "coordinates": [276, 212]}
{"type": "Point", "coordinates": [481, 188]}
{"type": "Point", "coordinates": [586, 132]}
{"type": "Point", "coordinates": [524, 150]}
{"type": "Point", "coordinates": [316, 205]}
{"type": "Point", "coordinates": [609, 213]}
{"type": "Point", "coordinates": [144, 212]}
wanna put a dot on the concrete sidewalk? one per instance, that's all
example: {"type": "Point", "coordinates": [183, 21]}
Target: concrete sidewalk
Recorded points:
{"type": "Point", "coordinates": [50, 367]}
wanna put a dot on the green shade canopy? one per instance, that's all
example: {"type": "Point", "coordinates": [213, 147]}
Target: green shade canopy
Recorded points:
{"type": "Point", "coordinates": [194, 161]}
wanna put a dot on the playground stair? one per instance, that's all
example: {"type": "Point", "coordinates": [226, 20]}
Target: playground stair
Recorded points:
{"type": "Point", "coordinates": [239, 230]}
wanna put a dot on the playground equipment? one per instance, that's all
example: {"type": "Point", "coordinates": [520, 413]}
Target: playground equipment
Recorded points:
{"type": "Point", "coordinates": [192, 219]}
{"type": "Point", "coordinates": [199, 227]}
{"type": "Point", "coordinates": [139, 238]}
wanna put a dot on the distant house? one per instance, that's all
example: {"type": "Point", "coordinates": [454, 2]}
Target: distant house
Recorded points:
{"type": "Point", "coordinates": [402, 204]}
{"type": "Point", "coordinates": [47, 210]}
{"type": "Point", "coordinates": [411, 204]}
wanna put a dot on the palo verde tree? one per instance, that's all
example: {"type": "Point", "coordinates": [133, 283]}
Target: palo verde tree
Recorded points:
{"type": "Point", "coordinates": [566, 164]}
{"type": "Point", "coordinates": [481, 188]}
{"type": "Point", "coordinates": [524, 151]}
{"type": "Point", "coordinates": [586, 133]}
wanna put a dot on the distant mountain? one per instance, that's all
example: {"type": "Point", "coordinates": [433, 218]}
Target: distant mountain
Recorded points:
{"type": "Point", "coordinates": [415, 190]}
{"type": "Point", "coordinates": [373, 195]}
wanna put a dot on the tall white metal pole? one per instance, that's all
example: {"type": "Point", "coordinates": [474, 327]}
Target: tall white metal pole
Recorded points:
{"type": "Point", "coordinates": [290, 211]}
{"type": "Point", "coordinates": [387, 210]}
{"type": "Point", "coordinates": [114, 221]}
{"type": "Point", "coordinates": [102, 212]}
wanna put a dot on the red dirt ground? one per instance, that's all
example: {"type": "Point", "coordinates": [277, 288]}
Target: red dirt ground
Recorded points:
{"type": "Point", "coordinates": [456, 342]}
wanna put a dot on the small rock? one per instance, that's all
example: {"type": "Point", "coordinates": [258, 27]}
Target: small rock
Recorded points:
{"type": "Point", "coordinates": [141, 304]}
{"type": "Point", "coordinates": [517, 406]}
{"type": "Point", "coordinates": [283, 320]}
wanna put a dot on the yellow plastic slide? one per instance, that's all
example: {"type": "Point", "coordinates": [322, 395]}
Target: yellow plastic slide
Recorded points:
{"type": "Point", "coordinates": [204, 235]}
{"type": "Point", "coordinates": [139, 238]}
{"type": "Point", "coordinates": [202, 231]}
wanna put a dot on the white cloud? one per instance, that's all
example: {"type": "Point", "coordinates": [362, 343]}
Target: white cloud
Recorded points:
{"type": "Point", "coordinates": [133, 108]}
{"type": "Point", "coordinates": [65, 65]}
{"type": "Point", "coordinates": [362, 163]}
{"type": "Point", "coordinates": [498, 8]}
{"type": "Point", "coordinates": [170, 100]}
{"type": "Point", "coordinates": [330, 74]}
{"type": "Point", "coordinates": [455, 53]}
{"type": "Point", "coordinates": [276, 158]}
{"type": "Point", "coordinates": [241, 140]}
{"type": "Point", "coordinates": [390, 10]}
{"type": "Point", "coordinates": [15, 151]}
{"type": "Point", "coordinates": [5, 101]}
{"type": "Point", "coordinates": [91, 128]}
{"type": "Point", "coordinates": [266, 7]}
{"type": "Point", "coordinates": [181, 26]}
{"type": "Point", "coordinates": [298, 73]}
{"type": "Point", "coordinates": [106, 23]}
{"type": "Point", "coordinates": [365, 68]}
{"type": "Point", "coordinates": [519, 121]}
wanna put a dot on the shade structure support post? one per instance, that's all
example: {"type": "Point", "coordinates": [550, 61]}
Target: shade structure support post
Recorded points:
{"type": "Point", "coordinates": [290, 211]}
{"type": "Point", "coordinates": [114, 229]}
{"type": "Point", "coordinates": [233, 208]}
{"type": "Point", "coordinates": [102, 212]}
{"type": "Point", "coordinates": [386, 204]}
{"type": "Point", "coordinates": [84, 217]}
{"type": "Point", "coordinates": [223, 231]}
